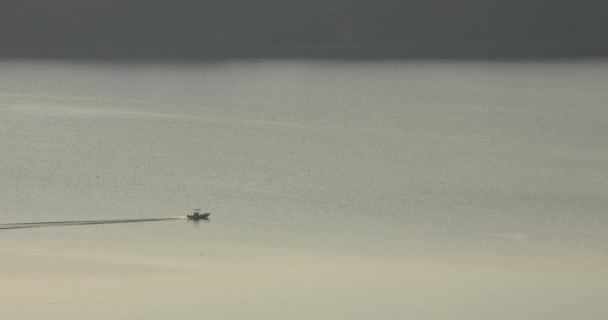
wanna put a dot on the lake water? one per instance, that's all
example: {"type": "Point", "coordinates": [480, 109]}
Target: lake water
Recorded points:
{"type": "Point", "coordinates": [338, 190]}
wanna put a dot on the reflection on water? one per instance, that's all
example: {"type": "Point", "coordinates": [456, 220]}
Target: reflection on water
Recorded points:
{"type": "Point", "coordinates": [198, 221]}
{"type": "Point", "coordinates": [49, 273]}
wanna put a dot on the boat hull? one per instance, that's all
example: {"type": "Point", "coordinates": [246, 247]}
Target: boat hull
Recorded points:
{"type": "Point", "coordinates": [198, 217]}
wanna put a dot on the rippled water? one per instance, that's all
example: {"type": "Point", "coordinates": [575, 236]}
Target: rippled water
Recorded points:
{"type": "Point", "coordinates": [337, 190]}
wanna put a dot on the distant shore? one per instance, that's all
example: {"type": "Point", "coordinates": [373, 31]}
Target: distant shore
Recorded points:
{"type": "Point", "coordinates": [356, 51]}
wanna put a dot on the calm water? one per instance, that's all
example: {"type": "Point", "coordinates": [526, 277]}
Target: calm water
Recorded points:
{"type": "Point", "coordinates": [427, 190]}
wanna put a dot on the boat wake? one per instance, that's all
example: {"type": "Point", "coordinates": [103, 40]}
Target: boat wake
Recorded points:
{"type": "Point", "coordinates": [7, 226]}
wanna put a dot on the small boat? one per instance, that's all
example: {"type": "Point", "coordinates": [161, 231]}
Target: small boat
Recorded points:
{"type": "Point", "coordinates": [197, 215]}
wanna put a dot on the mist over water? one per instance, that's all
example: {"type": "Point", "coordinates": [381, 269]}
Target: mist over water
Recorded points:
{"type": "Point", "coordinates": [401, 180]}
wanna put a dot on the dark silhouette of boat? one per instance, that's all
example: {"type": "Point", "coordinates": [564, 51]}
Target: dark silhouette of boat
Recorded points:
{"type": "Point", "coordinates": [197, 215]}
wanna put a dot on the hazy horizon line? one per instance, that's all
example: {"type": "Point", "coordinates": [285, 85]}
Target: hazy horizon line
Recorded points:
{"type": "Point", "coordinates": [329, 51]}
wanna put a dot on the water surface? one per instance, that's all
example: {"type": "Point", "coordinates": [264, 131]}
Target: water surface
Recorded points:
{"type": "Point", "coordinates": [427, 190]}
